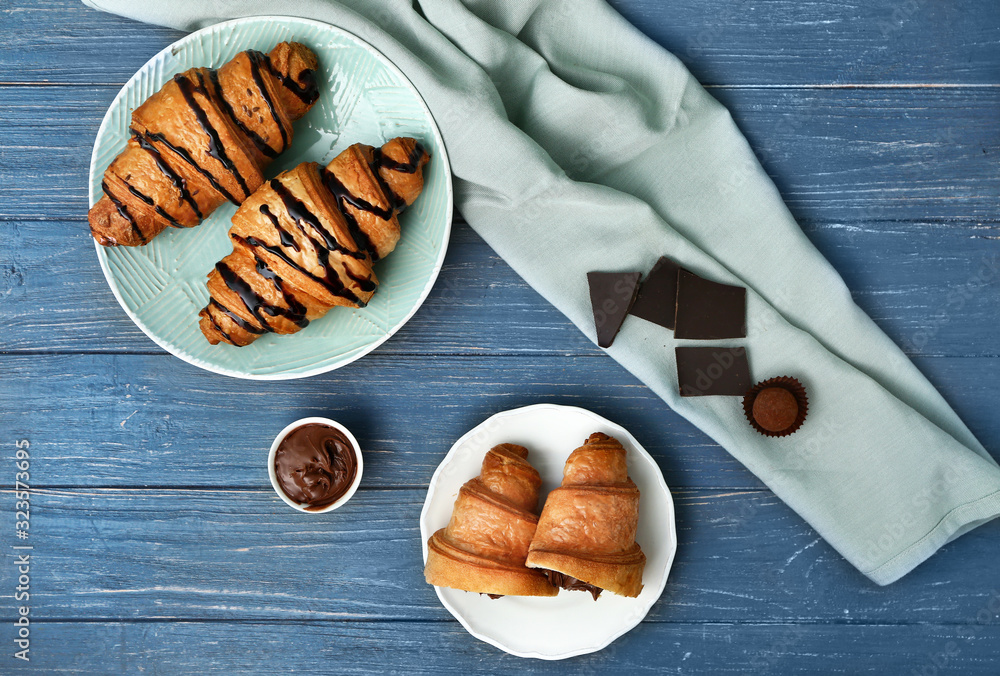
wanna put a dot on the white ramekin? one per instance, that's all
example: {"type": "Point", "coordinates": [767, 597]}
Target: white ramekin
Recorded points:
{"type": "Point", "coordinates": [274, 476]}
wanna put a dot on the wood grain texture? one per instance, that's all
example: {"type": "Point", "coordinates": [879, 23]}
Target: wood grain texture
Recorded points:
{"type": "Point", "coordinates": [152, 420]}
{"type": "Point", "coordinates": [161, 648]}
{"type": "Point", "coordinates": [783, 41]}
{"type": "Point", "coordinates": [181, 554]}
{"type": "Point", "coordinates": [826, 42]}
{"type": "Point", "coordinates": [160, 548]}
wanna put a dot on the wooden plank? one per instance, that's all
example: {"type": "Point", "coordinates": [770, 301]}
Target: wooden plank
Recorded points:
{"type": "Point", "coordinates": [825, 41]}
{"type": "Point", "coordinates": [126, 554]}
{"type": "Point", "coordinates": [837, 155]}
{"type": "Point", "coordinates": [141, 420]}
{"type": "Point", "coordinates": [932, 287]}
{"type": "Point", "coordinates": [321, 648]}
{"type": "Point", "coordinates": [48, 41]}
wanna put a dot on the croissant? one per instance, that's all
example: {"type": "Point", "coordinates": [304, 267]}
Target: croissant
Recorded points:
{"type": "Point", "coordinates": [586, 534]}
{"type": "Point", "coordinates": [306, 240]}
{"type": "Point", "coordinates": [484, 546]}
{"type": "Point", "coordinates": [205, 137]}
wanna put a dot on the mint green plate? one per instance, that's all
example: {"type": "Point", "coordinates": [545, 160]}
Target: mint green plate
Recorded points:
{"type": "Point", "coordinates": [363, 98]}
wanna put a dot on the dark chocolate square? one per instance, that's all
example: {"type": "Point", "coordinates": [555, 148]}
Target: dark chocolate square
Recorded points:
{"type": "Point", "coordinates": [704, 371]}
{"type": "Point", "coordinates": [708, 310]}
{"type": "Point", "coordinates": [611, 296]}
{"type": "Point", "coordinates": [657, 299]}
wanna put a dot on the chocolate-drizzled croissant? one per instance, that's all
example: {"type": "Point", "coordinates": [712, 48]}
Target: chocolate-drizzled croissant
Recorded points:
{"type": "Point", "coordinates": [586, 534]}
{"type": "Point", "coordinates": [205, 137]}
{"type": "Point", "coordinates": [305, 241]}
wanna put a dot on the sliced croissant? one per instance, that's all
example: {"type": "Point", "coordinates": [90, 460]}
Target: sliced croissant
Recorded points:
{"type": "Point", "coordinates": [586, 534]}
{"type": "Point", "coordinates": [484, 546]}
{"type": "Point", "coordinates": [205, 137]}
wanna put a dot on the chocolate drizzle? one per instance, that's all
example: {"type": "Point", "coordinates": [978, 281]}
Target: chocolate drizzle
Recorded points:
{"type": "Point", "coordinates": [242, 323]}
{"type": "Point", "coordinates": [216, 148]}
{"type": "Point", "coordinates": [300, 213]}
{"type": "Point", "coordinates": [380, 161]}
{"type": "Point", "coordinates": [571, 583]}
{"type": "Point", "coordinates": [260, 143]}
{"type": "Point", "coordinates": [211, 318]}
{"type": "Point", "coordinates": [330, 281]}
{"type": "Point", "coordinates": [251, 299]}
{"type": "Point", "coordinates": [411, 165]}
{"type": "Point", "coordinates": [256, 60]}
{"type": "Point", "coordinates": [156, 207]}
{"type": "Point", "coordinates": [307, 92]}
{"type": "Point", "coordinates": [123, 211]}
{"type": "Point", "coordinates": [342, 195]}
{"type": "Point", "coordinates": [176, 179]}
{"type": "Point", "coordinates": [257, 305]}
{"type": "Point", "coordinates": [186, 156]}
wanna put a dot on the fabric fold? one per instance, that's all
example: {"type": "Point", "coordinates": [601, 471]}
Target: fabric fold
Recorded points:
{"type": "Point", "coordinates": [579, 144]}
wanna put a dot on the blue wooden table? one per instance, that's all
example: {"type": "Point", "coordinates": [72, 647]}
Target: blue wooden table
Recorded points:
{"type": "Point", "coordinates": [160, 548]}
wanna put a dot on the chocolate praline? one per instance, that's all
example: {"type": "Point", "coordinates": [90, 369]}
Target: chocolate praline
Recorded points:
{"type": "Point", "coordinates": [776, 407]}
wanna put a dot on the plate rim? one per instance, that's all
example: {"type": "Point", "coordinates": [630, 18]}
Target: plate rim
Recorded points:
{"type": "Point", "coordinates": [671, 529]}
{"type": "Point", "coordinates": [358, 353]}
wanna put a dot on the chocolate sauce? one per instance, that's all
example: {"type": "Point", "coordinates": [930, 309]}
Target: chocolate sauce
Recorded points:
{"type": "Point", "coordinates": [571, 583]}
{"type": "Point", "coordinates": [216, 149]}
{"type": "Point", "coordinates": [307, 92]}
{"type": "Point", "coordinates": [123, 211]}
{"type": "Point", "coordinates": [331, 281]}
{"type": "Point", "coordinates": [251, 299]}
{"type": "Point", "coordinates": [186, 156]}
{"type": "Point", "coordinates": [261, 144]}
{"type": "Point", "coordinates": [176, 179]}
{"type": "Point", "coordinates": [296, 311]}
{"type": "Point", "coordinates": [300, 213]}
{"type": "Point", "coordinates": [411, 165]}
{"type": "Point", "coordinates": [156, 207]}
{"type": "Point", "coordinates": [255, 304]}
{"type": "Point", "coordinates": [284, 236]}
{"type": "Point", "coordinates": [315, 465]}
{"type": "Point", "coordinates": [380, 161]}
{"type": "Point", "coordinates": [256, 60]}
{"type": "Point", "coordinates": [242, 323]}
{"type": "Point", "coordinates": [211, 318]}
{"type": "Point", "coordinates": [342, 195]}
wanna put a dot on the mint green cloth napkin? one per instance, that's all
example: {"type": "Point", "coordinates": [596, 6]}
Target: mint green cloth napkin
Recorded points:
{"type": "Point", "coordinates": [578, 144]}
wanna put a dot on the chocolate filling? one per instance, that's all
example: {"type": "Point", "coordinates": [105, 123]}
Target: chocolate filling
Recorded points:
{"type": "Point", "coordinates": [558, 579]}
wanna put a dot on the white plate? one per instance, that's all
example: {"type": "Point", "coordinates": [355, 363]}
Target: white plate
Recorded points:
{"type": "Point", "coordinates": [363, 98]}
{"type": "Point", "coordinates": [571, 623]}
